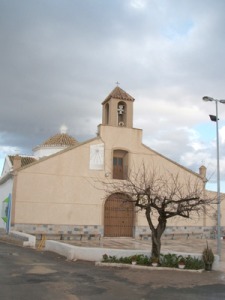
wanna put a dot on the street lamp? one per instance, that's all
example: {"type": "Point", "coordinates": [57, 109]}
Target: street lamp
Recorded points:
{"type": "Point", "coordinates": [215, 119]}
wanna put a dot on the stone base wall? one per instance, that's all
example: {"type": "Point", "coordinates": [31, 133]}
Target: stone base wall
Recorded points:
{"type": "Point", "coordinates": [140, 232]}
{"type": "Point", "coordinates": [59, 229]}
{"type": "Point", "coordinates": [144, 232]}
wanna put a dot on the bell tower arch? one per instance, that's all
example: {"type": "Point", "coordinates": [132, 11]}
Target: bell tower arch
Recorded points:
{"type": "Point", "coordinates": [118, 109]}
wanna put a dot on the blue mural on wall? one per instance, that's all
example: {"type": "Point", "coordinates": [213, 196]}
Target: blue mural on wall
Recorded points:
{"type": "Point", "coordinates": [6, 212]}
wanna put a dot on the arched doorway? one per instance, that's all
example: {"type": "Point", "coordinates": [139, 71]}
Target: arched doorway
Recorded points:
{"type": "Point", "coordinates": [118, 216]}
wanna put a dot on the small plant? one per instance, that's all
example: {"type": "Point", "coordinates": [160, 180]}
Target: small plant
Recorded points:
{"type": "Point", "coordinates": [111, 259]}
{"type": "Point", "coordinates": [125, 260]}
{"type": "Point", "coordinates": [194, 263]}
{"type": "Point", "coordinates": [169, 260]}
{"type": "Point", "coordinates": [143, 260]}
{"type": "Point", "coordinates": [134, 258]}
{"type": "Point", "coordinates": [208, 257]}
{"type": "Point", "coordinates": [105, 257]}
{"type": "Point", "coordinates": [154, 259]}
{"type": "Point", "coordinates": [181, 260]}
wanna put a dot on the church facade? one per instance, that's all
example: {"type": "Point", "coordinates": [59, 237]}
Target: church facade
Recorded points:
{"type": "Point", "coordinates": [64, 193]}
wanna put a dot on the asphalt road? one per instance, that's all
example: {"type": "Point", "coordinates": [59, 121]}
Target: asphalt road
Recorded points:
{"type": "Point", "coordinates": [30, 274]}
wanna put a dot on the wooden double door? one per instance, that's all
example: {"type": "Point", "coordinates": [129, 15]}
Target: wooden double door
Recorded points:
{"type": "Point", "coordinates": [118, 216]}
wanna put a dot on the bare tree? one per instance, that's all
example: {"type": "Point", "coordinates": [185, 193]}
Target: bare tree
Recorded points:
{"type": "Point", "coordinates": [162, 196]}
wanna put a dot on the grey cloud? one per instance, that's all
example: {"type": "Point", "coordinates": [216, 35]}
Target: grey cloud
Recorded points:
{"type": "Point", "coordinates": [60, 59]}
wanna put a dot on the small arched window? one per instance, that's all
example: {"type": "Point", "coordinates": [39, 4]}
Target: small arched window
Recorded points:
{"type": "Point", "coordinates": [107, 113]}
{"type": "Point", "coordinates": [121, 110]}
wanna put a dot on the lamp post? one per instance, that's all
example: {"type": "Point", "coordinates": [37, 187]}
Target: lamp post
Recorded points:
{"type": "Point", "coordinates": [215, 119]}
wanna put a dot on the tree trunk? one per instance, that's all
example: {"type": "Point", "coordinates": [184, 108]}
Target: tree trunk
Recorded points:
{"type": "Point", "coordinates": [156, 239]}
{"type": "Point", "coordinates": [156, 233]}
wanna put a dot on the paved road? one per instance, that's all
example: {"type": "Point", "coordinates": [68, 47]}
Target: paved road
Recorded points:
{"type": "Point", "coordinates": [29, 274]}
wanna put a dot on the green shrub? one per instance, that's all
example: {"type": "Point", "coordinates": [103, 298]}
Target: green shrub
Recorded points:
{"type": "Point", "coordinates": [143, 260]}
{"type": "Point", "coordinates": [207, 255]}
{"type": "Point", "coordinates": [140, 259]}
{"type": "Point", "coordinates": [181, 260]}
{"type": "Point", "coordinates": [105, 257]}
{"type": "Point", "coordinates": [125, 260]}
{"type": "Point", "coordinates": [169, 260]}
{"type": "Point", "coordinates": [193, 263]}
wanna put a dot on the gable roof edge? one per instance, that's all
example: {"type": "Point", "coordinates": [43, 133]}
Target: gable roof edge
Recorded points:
{"type": "Point", "coordinates": [6, 177]}
{"type": "Point", "coordinates": [174, 162]}
{"type": "Point", "coordinates": [58, 153]}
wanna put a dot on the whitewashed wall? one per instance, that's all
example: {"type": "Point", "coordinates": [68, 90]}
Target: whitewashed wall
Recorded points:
{"type": "Point", "coordinates": [5, 189]}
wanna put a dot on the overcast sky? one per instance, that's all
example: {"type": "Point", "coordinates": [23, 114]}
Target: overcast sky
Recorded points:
{"type": "Point", "coordinates": [59, 59]}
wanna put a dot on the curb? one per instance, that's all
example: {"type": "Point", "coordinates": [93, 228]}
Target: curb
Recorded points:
{"type": "Point", "coordinates": [149, 268]}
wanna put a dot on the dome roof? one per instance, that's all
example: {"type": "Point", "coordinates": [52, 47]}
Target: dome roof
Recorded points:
{"type": "Point", "coordinates": [60, 139]}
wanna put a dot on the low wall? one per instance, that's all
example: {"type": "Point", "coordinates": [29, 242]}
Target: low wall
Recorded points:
{"type": "Point", "coordinates": [88, 253]}
{"type": "Point", "coordinates": [28, 239]}
{"type": "Point", "coordinates": [95, 254]}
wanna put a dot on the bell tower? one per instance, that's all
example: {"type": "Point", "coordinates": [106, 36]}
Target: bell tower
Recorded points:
{"type": "Point", "coordinates": [118, 109]}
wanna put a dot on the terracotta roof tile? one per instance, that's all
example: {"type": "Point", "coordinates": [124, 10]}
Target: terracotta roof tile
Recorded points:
{"type": "Point", "coordinates": [61, 139]}
{"type": "Point", "coordinates": [118, 93]}
{"type": "Point", "coordinates": [25, 160]}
